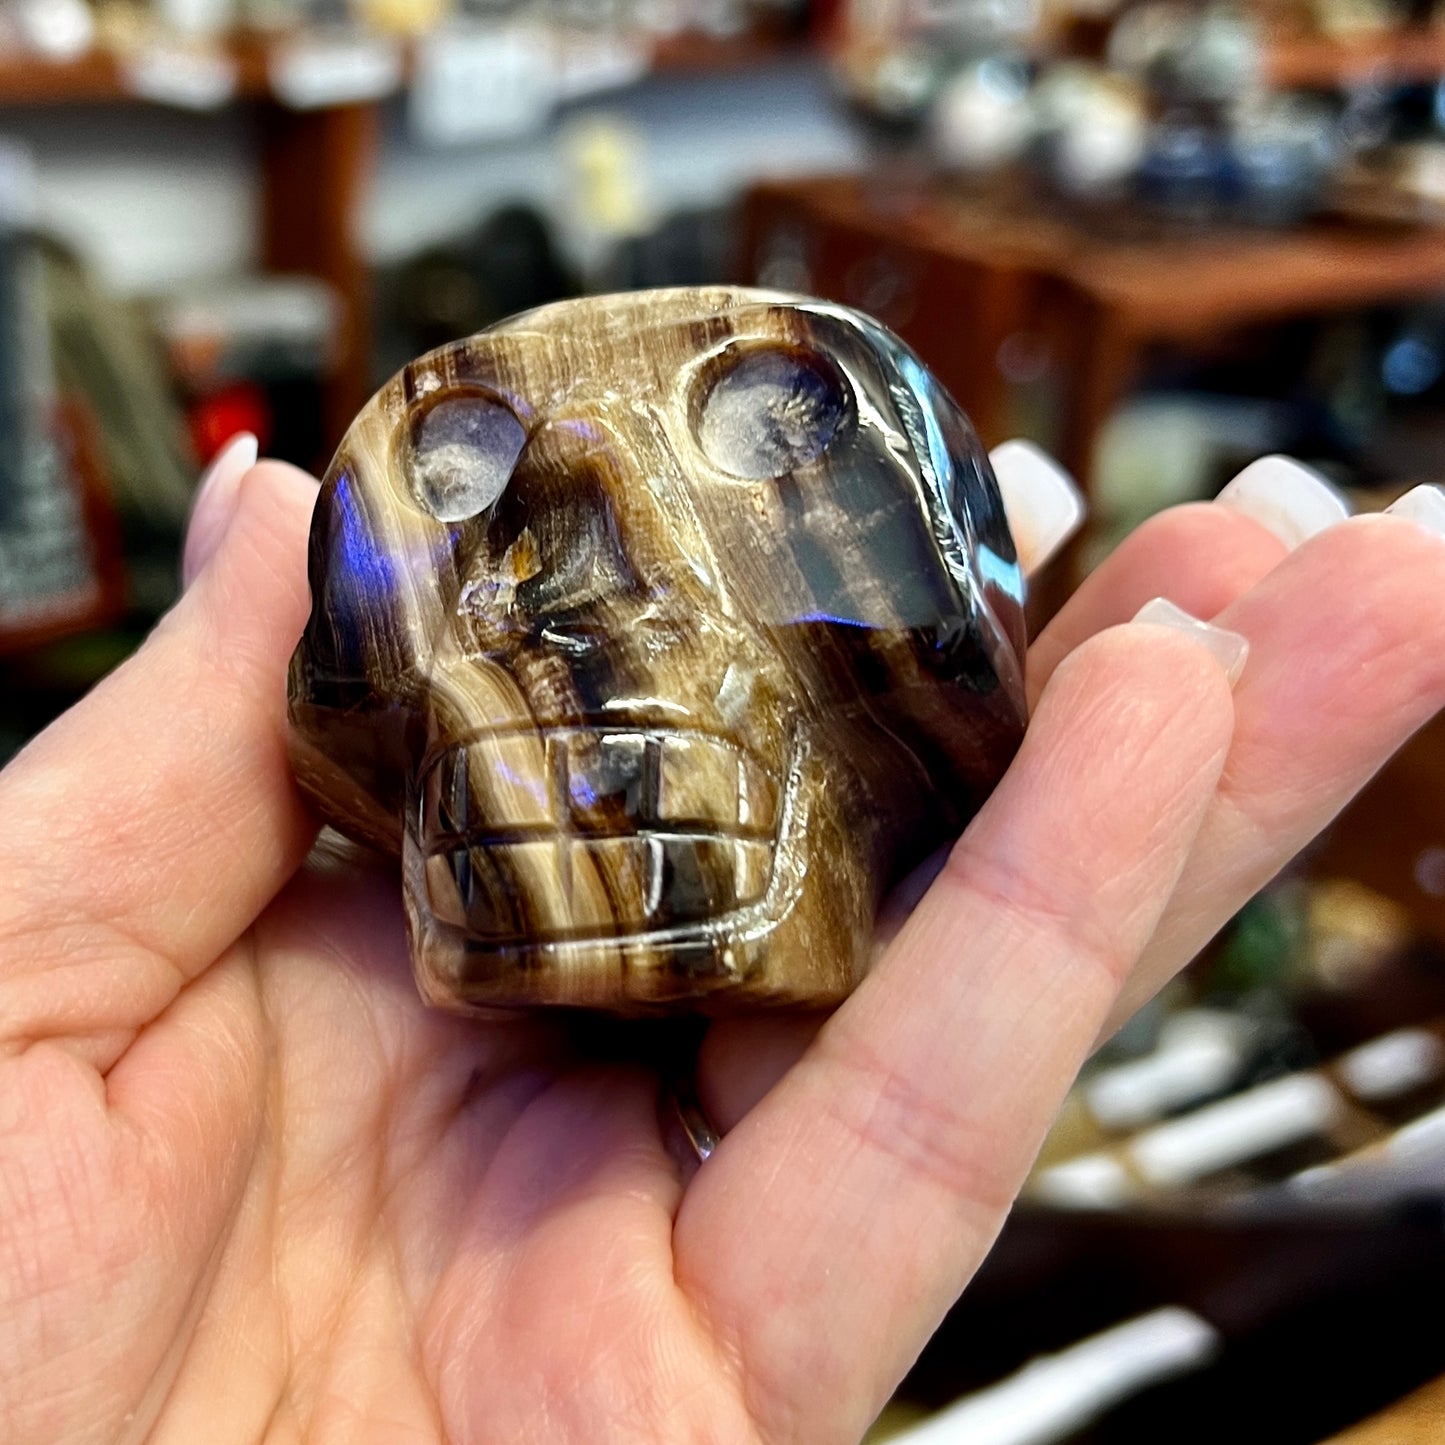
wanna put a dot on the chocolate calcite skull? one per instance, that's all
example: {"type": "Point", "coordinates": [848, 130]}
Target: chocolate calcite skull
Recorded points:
{"type": "Point", "coordinates": [659, 634]}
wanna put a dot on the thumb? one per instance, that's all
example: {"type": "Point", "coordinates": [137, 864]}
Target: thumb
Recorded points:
{"type": "Point", "coordinates": [170, 781]}
{"type": "Point", "coordinates": [217, 494]}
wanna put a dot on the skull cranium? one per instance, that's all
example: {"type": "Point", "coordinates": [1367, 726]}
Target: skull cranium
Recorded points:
{"type": "Point", "coordinates": [659, 634]}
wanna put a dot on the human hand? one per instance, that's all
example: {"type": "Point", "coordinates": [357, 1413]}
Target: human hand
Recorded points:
{"type": "Point", "coordinates": [250, 1189]}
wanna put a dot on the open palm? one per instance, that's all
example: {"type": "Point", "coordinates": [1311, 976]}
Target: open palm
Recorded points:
{"type": "Point", "coordinates": [250, 1189]}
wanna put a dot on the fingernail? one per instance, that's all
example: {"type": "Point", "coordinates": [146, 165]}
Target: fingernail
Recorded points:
{"type": "Point", "coordinates": [1425, 506]}
{"type": "Point", "coordinates": [1290, 499]}
{"type": "Point", "coordinates": [215, 503]}
{"type": "Point", "coordinates": [1043, 505]}
{"type": "Point", "coordinates": [1229, 648]}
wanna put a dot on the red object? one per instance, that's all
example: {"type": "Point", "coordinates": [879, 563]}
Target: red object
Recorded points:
{"type": "Point", "coordinates": [216, 418]}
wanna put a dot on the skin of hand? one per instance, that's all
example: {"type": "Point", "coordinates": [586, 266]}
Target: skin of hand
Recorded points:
{"type": "Point", "coordinates": [251, 1190]}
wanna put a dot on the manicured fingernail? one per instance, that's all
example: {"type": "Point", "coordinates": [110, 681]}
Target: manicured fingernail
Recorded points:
{"type": "Point", "coordinates": [1229, 648]}
{"type": "Point", "coordinates": [215, 504]}
{"type": "Point", "coordinates": [1044, 506]}
{"type": "Point", "coordinates": [1290, 499]}
{"type": "Point", "coordinates": [1425, 506]}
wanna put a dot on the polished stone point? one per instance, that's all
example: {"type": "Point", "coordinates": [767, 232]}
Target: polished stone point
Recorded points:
{"type": "Point", "coordinates": [660, 635]}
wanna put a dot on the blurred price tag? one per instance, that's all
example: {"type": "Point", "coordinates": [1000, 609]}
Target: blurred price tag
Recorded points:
{"type": "Point", "coordinates": [60, 561]}
{"type": "Point", "coordinates": [484, 83]}
{"type": "Point", "coordinates": [322, 70]}
{"type": "Point", "coordinates": [190, 77]}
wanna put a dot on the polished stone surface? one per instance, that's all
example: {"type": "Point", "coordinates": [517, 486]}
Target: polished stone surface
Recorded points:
{"type": "Point", "coordinates": [659, 634]}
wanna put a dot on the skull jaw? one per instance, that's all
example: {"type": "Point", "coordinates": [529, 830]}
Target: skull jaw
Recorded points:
{"type": "Point", "coordinates": [720, 966]}
{"type": "Point", "coordinates": [713, 968]}
{"type": "Point", "coordinates": [805, 942]}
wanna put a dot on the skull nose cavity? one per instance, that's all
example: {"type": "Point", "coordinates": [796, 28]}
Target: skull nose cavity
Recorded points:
{"type": "Point", "coordinates": [461, 455]}
{"type": "Point", "coordinates": [765, 411]}
{"type": "Point", "coordinates": [592, 832]}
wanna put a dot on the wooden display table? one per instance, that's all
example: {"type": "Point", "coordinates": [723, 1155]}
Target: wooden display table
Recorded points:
{"type": "Point", "coordinates": [958, 272]}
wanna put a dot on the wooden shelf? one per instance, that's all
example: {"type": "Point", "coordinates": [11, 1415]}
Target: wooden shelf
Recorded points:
{"type": "Point", "coordinates": [24, 80]}
{"type": "Point", "coordinates": [99, 78]}
{"type": "Point", "coordinates": [1322, 62]}
{"type": "Point", "coordinates": [701, 54]}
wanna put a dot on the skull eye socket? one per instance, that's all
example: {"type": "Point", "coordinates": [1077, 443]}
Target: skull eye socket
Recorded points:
{"type": "Point", "coordinates": [764, 411]}
{"type": "Point", "coordinates": [463, 450]}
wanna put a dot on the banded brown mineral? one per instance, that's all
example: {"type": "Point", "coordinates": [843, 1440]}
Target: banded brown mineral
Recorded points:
{"type": "Point", "coordinates": [659, 634]}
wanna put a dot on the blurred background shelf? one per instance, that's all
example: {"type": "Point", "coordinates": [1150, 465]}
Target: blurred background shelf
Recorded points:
{"type": "Point", "coordinates": [710, 54]}
{"type": "Point", "coordinates": [102, 79]}
{"type": "Point", "coordinates": [315, 161]}
{"type": "Point", "coordinates": [1318, 61]}
{"type": "Point", "coordinates": [27, 80]}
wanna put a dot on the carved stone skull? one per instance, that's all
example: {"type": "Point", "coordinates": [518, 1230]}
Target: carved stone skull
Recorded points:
{"type": "Point", "coordinates": [659, 634]}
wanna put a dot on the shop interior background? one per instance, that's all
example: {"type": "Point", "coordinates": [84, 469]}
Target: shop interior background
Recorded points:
{"type": "Point", "coordinates": [1159, 238]}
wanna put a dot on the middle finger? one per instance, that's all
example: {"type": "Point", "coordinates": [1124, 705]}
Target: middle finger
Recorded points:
{"type": "Point", "coordinates": [1201, 556]}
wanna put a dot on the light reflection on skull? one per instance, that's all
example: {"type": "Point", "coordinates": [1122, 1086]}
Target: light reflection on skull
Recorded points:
{"type": "Point", "coordinates": [659, 634]}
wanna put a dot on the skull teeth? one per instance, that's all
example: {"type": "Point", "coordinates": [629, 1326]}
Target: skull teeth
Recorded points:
{"type": "Point", "coordinates": [596, 781]}
{"type": "Point", "coordinates": [594, 832]}
{"type": "Point", "coordinates": [564, 886]}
